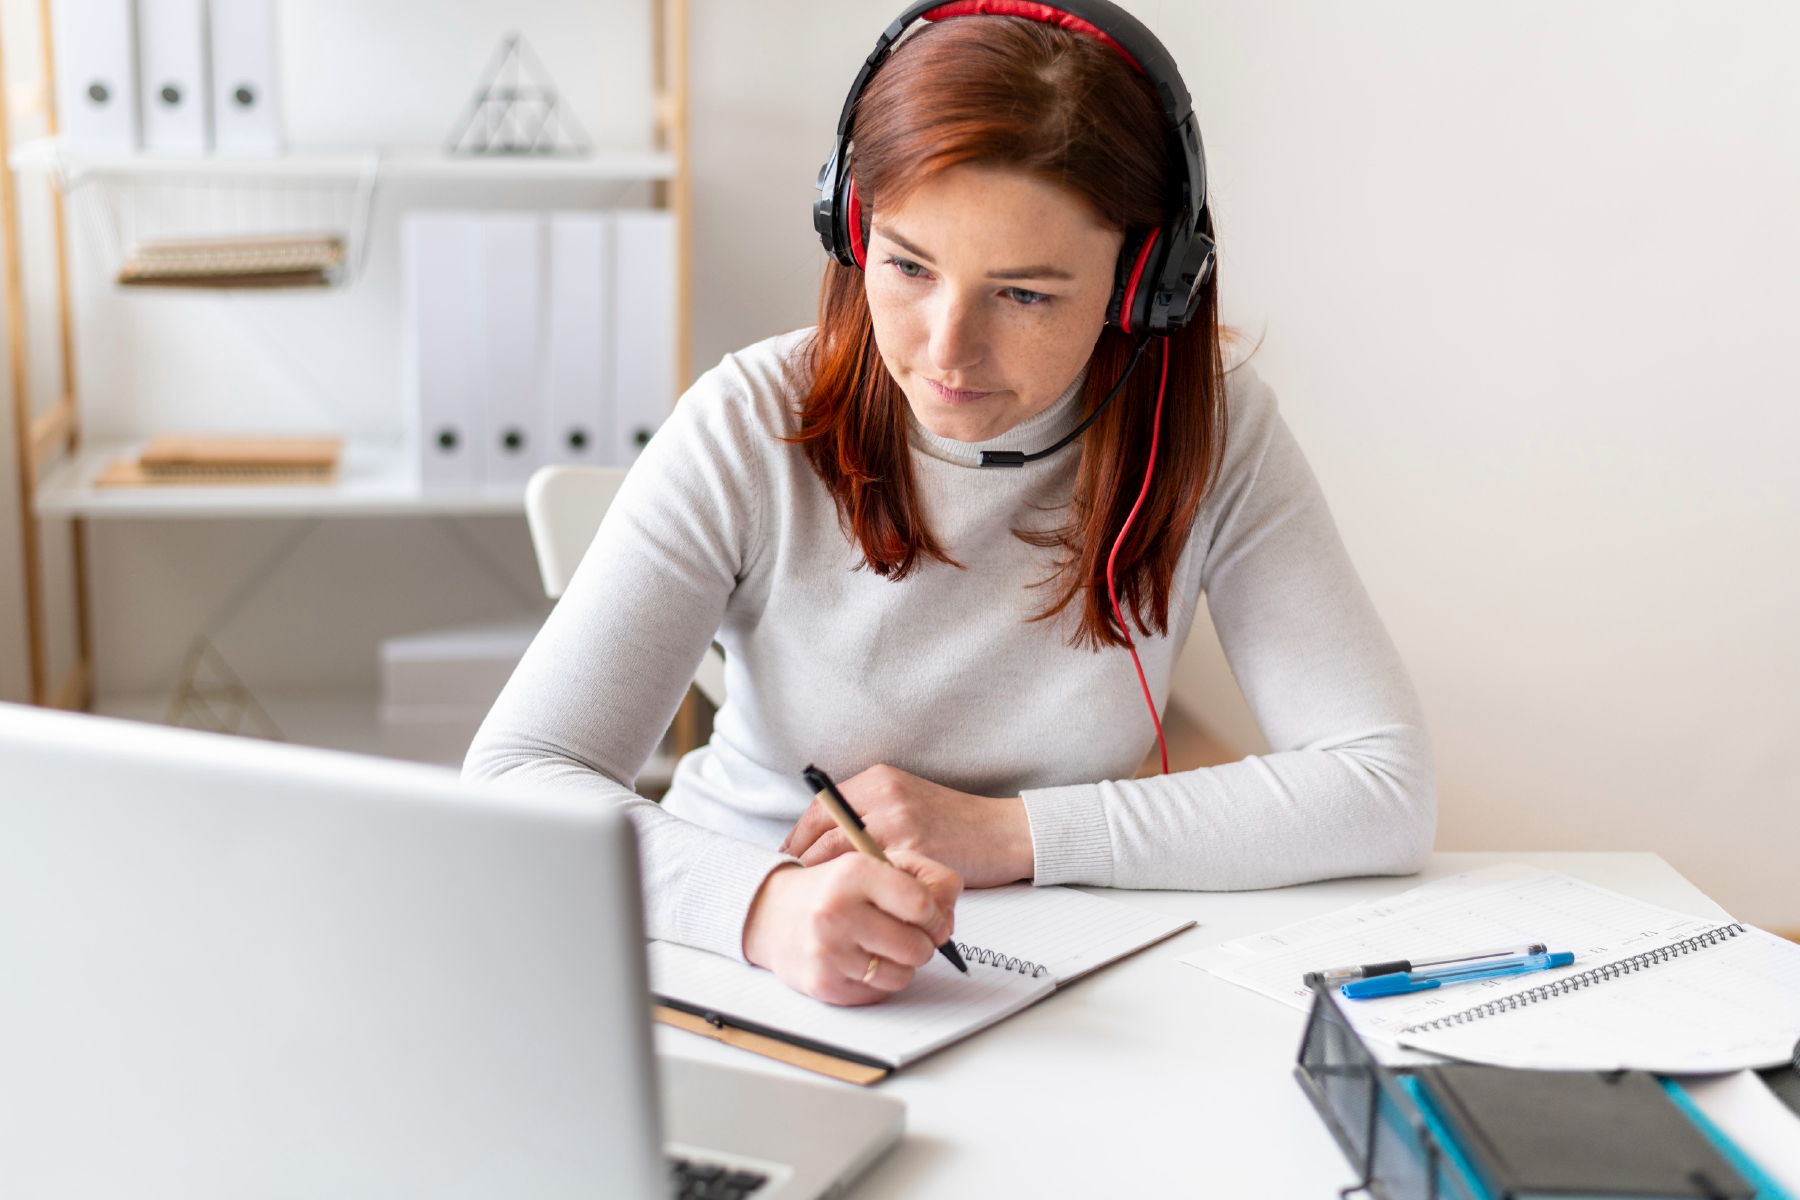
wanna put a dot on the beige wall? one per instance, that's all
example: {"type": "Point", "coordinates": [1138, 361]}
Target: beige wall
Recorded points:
{"type": "Point", "coordinates": [1522, 276]}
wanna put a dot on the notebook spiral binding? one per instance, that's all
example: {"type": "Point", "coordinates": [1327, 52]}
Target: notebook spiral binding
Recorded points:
{"type": "Point", "coordinates": [1005, 962]}
{"type": "Point", "coordinates": [1594, 975]}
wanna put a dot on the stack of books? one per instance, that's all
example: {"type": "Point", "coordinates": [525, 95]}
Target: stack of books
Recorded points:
{"type": "Point", "coordinates": [297, 260]}
{"type": "Point", "coordinates": [190, 461]}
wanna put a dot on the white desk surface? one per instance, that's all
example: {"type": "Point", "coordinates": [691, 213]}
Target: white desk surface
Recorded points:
{"type": "Point", "coordinates": [1151, 1077]}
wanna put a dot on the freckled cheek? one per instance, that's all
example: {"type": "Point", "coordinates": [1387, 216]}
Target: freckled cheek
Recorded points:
{"type": "Point", "coordinates": [902, 327]}
{"type": "Point", "coordinates": [1043, 355]}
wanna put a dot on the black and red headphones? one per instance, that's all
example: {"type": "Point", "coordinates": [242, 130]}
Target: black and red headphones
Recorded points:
{"type": "Point", "coordinates": [1161, 271]}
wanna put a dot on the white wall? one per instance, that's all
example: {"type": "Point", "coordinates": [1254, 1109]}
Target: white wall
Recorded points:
{"type": "Point", "coordinates": [1522, 276]}
{"type": "Point", "coordinates": [1526, 277]}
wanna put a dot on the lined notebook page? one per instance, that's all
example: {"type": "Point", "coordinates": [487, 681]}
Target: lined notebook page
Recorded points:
{"type": "Point", "coordinates": [1720, 1008]}
{"type": "Point", "coordinates": [940, 1006]}
{"type": "Point", "coordinates": [1597, 925]}
{"type": "Point", "coordinates": [1068, 933]}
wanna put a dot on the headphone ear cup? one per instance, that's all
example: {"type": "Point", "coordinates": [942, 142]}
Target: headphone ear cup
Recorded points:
{"type": "Point", "coordinates": [1128, 256]}
{"type": "Point", "coordinates": [837, 214]}
{"type": "Point", "coordinates": [1140, 266]}
{"type": "Point", "coordinates": [853, 227]}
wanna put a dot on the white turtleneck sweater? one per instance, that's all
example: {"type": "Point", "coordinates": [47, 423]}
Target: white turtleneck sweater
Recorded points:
{"type": "Point", "coordinates": [722, 531]}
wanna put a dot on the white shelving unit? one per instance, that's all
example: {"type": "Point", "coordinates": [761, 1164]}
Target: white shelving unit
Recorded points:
{"type": "Point", "coordinates": [56, 469]}
{"type": "Point", "coordinates": [73, 167]}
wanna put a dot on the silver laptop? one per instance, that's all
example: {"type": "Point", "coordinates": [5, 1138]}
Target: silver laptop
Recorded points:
{"type": "Point", "coordinates": [230, 969]}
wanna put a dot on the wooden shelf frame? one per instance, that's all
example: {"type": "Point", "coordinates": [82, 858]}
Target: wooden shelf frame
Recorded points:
{"type": "Point", "coordinates": [39, 439]}
{"type": "Point", "coordinates": [51, 465]}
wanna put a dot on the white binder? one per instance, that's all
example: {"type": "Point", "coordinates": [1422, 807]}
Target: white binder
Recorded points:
{"type": "Point", "coordinates": [440, 265]}
{"type": "Point", "coordinates": [644, 301]}
{"type": "Point", "coordinates": [578, 426]}
{"type": "Point", "coordinates": [172, 75]}
{"type": "Point", "coordinates": [246, 117]}
{"type": "Point", "coordinates": [511, 287]}
{"type": "Point", "coordinates": [96, 73]}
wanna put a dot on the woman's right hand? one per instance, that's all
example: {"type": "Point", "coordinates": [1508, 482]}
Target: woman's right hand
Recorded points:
{"type": "Point", "coordinates": [819, 928]}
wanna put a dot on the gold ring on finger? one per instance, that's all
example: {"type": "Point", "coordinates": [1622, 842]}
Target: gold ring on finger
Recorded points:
{"type": "Point", "coordinates": [874, 965]}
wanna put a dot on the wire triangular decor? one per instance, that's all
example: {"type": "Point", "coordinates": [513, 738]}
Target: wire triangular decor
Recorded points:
{"type": "Point", "coordinates": [516, 110]}
{"type": "Point", "coordinates": [210, 696]}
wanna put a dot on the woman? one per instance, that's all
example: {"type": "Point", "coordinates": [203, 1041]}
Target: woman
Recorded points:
{"type": "Point", "coordinates": [939, 636]}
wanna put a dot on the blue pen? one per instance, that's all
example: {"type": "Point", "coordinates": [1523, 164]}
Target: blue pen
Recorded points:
{"type": "Point", "coordinates": [1419, 981]}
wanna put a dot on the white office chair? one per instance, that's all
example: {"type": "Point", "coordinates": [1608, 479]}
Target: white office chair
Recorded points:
{"type": "Point", "coordinates": [563, 507]}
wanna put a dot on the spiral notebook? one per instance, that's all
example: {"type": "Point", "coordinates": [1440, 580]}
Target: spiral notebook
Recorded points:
{"type": "Point", "coordinates": [1651, 989]}
{"type": "Point", "coordinates": [1021, 944]}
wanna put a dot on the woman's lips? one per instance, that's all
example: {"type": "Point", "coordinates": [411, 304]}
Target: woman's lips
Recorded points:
{"type": "Point", "coordinates": [952, 395]}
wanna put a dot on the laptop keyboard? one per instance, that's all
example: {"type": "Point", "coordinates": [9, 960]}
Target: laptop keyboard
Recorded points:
{"type": "Point", "coordinates": [709, 1181]}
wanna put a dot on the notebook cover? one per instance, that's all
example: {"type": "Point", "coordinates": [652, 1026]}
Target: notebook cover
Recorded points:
{"type": "Point", "coordinates": [779, 1048]}
{"type": "Point", "coordinates": [1577, 1133]}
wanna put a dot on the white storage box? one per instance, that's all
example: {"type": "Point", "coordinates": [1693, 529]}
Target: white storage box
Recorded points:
{"type": "Point", "coordinates": [437, 687]}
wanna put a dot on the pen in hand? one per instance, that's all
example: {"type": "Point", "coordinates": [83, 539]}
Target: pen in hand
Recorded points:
{"type": "Point", "coordinates": [834, 803]}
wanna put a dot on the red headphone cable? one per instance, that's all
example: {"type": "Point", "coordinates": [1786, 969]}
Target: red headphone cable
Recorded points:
{"type": "Point", "coordinates": [1130, 644]}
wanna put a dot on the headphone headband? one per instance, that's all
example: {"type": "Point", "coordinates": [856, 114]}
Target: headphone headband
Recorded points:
{"type": "Point", "coordinates": [1162, 286]}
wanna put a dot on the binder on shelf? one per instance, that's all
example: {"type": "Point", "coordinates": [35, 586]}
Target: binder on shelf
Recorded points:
{"type": "Point", "coordinates": [172, 75]}
{"type": "Point", "coordinates": [577, 425]}
{"type": "Point", "coordinates": [441, 281]}
{"type": "Point", "coordinates": [644, 304]}
{"type": "Point", "coordinates": [96, 73]}
{"type": "Point", "coordinates": [245, 112]}
{"type": "Point", "coordinates": [511, 288]}
{"type": "Point", "coordinates": [534, 338]}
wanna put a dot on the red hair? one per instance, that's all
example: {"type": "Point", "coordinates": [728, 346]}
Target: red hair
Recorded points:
{"type": "Point", "coordinates": [1019, 94]}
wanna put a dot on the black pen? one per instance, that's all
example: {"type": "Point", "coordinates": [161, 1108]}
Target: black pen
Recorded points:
{"type": "Point", "coordinates": [834, 803]}
{"type": "Point", "coordinates": [1401, 966]}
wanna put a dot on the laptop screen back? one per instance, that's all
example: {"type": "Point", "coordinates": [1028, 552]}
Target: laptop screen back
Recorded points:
{"type": "Point", "coordinates": [234, 969]}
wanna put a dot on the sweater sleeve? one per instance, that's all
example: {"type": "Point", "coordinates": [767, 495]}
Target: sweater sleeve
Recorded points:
{"type": "Point", "coordinates": [592, 696]}
{"type": "Point", "coordinates": [1348, 788]}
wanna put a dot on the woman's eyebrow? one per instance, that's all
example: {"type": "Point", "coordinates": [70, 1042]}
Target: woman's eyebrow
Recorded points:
{"type": "Point", "coordinates": [905, 245]}
{"type": "Point", "coordinates": [1042, 272]}
{"type": "Point", "coordinates": [1034, 272]}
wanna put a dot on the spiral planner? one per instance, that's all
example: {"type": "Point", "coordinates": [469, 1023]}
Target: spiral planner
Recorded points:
{"type": "Point", "coordinates": [1651, 989]}
{"type": "Point", "coordinates": [1021, 943]}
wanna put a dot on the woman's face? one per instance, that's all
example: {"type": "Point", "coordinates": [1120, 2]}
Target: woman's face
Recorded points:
{"type": "Point", "coordinates": [988, 289]}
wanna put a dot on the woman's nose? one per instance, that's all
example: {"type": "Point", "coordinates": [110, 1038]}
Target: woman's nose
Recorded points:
{"type": "Point", "coordinates": [958, 341]}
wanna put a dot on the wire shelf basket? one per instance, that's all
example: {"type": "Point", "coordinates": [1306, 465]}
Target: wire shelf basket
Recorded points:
{"type": "Point", "coordinates": [238, 223]}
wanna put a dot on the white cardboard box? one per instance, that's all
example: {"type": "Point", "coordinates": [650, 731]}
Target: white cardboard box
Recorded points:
{"type": "Point", "coordinates": [437, 687]}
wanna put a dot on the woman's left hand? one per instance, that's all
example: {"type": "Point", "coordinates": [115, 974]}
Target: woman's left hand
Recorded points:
{"type": "Point", "coordinates": [985, 840]}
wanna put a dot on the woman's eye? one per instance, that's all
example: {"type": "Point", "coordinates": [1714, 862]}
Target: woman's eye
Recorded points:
{"type": "Point", "coordinates": [911, 270]}
{"type": "Point", "coordinates": [1024, 297]}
